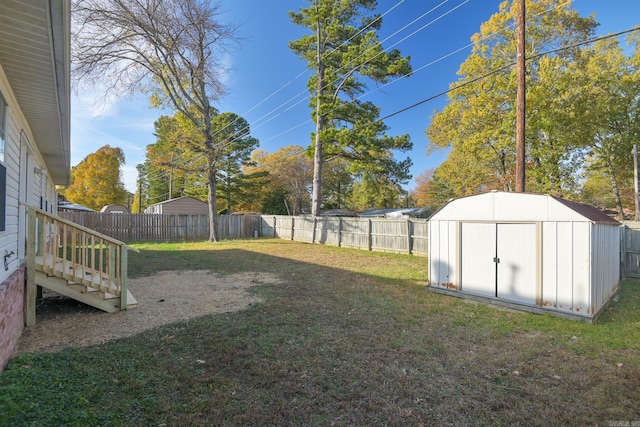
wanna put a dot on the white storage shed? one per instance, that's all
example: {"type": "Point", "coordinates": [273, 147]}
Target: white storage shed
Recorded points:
{"type": "Point", "coordinates": [531, 251]}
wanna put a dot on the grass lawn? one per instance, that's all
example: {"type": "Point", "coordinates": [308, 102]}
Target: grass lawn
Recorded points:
{"type": "Point", "coordinates": [348, 338]}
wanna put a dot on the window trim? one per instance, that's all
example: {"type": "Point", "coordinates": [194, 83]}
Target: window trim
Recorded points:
{"type": "Point", "coordinates": [4, 128]}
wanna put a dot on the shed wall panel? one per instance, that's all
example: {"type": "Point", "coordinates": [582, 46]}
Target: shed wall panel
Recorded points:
{"type": "Point", "coordinates": [581, 267]}
{"type": "Point", "coordinates": [564, 269]}
{"type": "Point", "coordinates": [453, 251]}
{"type": "Point", "coordinates": [605, 268]}
{"type": "Point", "coordinates": [437, 245]}
{"type": "Point", "coordinates": [434, 253]}
{"type": "Point", "coordinates": [442, 253]}
{"type": "Point", "coordinates": [549, 265]}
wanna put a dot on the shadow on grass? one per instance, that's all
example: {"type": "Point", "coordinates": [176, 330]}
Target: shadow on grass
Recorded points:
{"type": "Point", "coordinates": [349, 338]}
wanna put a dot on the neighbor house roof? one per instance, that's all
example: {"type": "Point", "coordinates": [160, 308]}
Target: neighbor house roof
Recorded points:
{"type": "Point", "coordinates": [176, 199]}
{"type": "Point", "coordinates": [35, 56]}
{"type": "Point", "coordinates": [393, 213]}
{"type": "Point", "coordinates": [68, 206]}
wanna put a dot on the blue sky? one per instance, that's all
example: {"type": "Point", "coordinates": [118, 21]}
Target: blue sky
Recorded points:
{"type": "Point", "coordinates": [265, 74]}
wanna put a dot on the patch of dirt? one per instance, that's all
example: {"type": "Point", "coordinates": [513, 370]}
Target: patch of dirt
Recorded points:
{"type": "Point", "coordinates": [163, 298]}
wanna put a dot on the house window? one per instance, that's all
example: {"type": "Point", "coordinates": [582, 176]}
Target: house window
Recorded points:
{"type": "Point", "coordinates": [3, 196]}
{"type": "Point", "coordinates": [3, 126]}
{"type": "Point", "coordinates": [3, 169]}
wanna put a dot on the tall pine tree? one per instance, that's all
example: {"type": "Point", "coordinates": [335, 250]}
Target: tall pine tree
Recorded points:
{"type": "Point", "coordinates": [344, 50]}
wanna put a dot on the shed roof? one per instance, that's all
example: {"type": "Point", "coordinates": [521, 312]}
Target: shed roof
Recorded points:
{"type": "Point", "coordinates": [506, 206]}
{"type": "Point", "coordinates": [588, 211]}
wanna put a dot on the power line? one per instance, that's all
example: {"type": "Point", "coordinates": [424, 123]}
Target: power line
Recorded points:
{"type": "Point", "coordinates": [305, 92]}
{"type": "Point", "coordinates": [497, 70]}
{"type": "Point", "coordinates": [378, 88]}
{"type": "Point", "coordinates": [465, 83]}
{"type": "Point", "coordinates": [549, 52]}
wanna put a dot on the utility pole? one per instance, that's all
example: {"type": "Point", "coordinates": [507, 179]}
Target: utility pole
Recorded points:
{"type": "Point", "coordinates": [520, 99]}
{"type": "Point", "coordinates": [635, 181]}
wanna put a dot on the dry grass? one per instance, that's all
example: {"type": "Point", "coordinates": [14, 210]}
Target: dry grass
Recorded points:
{"type": "Point", "coordinates": [346, 338]}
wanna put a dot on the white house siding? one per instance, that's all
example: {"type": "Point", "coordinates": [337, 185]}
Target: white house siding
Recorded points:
{"type": "Point", "coordinates": [9, 238]}
{"type": "Point", "coordinates": [12, 161]}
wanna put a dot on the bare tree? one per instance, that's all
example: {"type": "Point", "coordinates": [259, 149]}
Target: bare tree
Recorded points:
{"type": "Point", "coordinates": [170, 49]}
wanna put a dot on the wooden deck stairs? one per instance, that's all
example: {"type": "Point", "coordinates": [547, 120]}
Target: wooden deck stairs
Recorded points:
{"type": "Point", "coordinates": [76, 262]}
{"type": "Point", "coordinates": [82, 285]}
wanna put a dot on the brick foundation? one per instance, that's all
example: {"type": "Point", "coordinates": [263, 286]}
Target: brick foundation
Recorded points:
{"type": "Point", "coordinates": [11, 314]}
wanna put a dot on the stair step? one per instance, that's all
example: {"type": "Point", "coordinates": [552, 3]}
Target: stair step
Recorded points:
{"type": "Point", "coordinates": [81, 288]}
{"type": "Point", "coordinates": [92, 296]}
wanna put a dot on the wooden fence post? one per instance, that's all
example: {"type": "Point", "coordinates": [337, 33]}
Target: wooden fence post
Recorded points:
{"type": "Point", "coordinates": [123, 278]}
{"type": "Point", "coordinates": [313, 232]}
{"type": "Point", "coordinates": [623, 252]}
{"type": "Point", "coordinates": [409, 229]}
{"type": "Point", "coordinates": [275, 230]}
{"type": "Point", "coordinates": [339, 231]}
{"type": "Point", "coordinates": [369, 235]}
{"type": "Point", "coordinates": [293, 220]}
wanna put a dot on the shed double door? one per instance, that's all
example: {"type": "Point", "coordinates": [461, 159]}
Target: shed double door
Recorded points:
{"type": "Point", "coordinates": [499, 260]}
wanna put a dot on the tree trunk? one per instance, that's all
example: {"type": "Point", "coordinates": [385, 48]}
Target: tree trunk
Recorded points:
{"type": "Point", "coordinates": [213, 208]}
{"type": "Point", "coordinates": [320, 122]}
{"type": "Point", "coordinates": [616, 190]}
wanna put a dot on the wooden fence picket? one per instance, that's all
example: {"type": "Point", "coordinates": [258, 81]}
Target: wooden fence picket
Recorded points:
{"type": "Point", "coordinates": [401, 235]}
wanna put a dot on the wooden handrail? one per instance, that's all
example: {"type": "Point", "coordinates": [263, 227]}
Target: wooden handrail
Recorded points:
{"type": "Point", "coordinates": [79, 227]}
{"type": "Point", "coordinates": [76, 253]}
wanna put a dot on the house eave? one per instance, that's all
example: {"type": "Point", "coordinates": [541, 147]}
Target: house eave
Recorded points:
{"type": "Point", "coordinates": [35, 57]}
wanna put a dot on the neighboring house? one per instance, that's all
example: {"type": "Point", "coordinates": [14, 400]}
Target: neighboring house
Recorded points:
{"type": "Point", "coordinates": [34, 158]}
{"type": "Point", "coordinates": [65, 205]}
{"type": "Point", "coordinates": [182, 205]}
{"type": "Point", "coordinates": [72, 207]}
{"type": "Point", "coordinates": [395, 213]}
{"type": "Point", "coordinates": [116, 209]}
{"type": "Point", "coordinates": [337, 212]}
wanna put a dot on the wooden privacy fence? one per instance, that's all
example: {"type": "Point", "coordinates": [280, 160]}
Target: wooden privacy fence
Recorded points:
{"type": "Point", "coordinates": [630, 250]}
{"type": "Point", "coordinates": [400, 235]}
{"type": "Point", "coordinates": [164, 227]}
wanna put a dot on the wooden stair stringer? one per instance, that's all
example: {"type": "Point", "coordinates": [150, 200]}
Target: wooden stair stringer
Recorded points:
{"type": "Point", "coordinates": [90, 296]}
